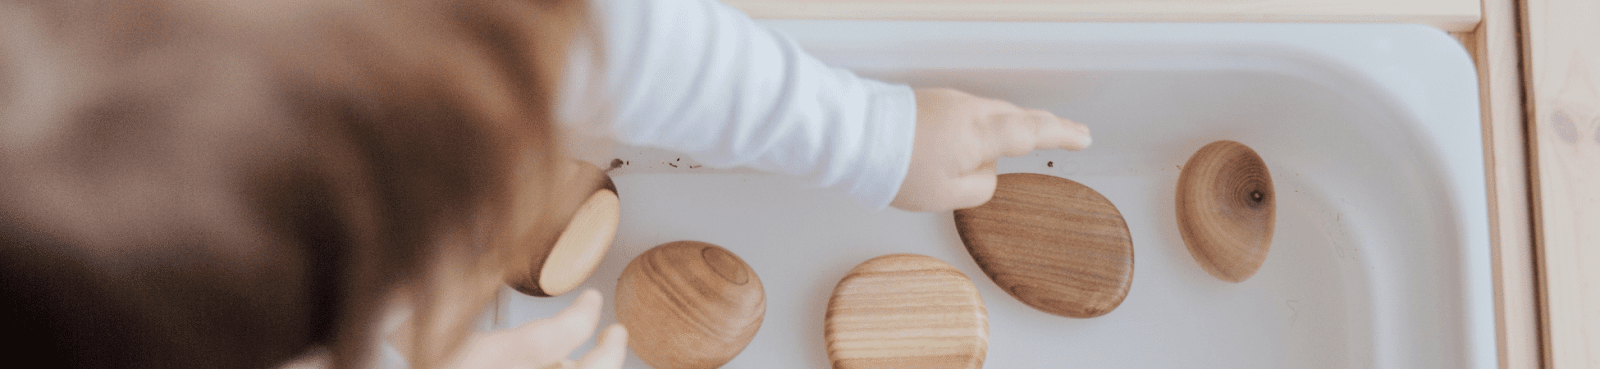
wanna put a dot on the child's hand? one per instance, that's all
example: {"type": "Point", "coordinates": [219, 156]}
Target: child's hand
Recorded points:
{"type": "Point", "coordinates": [959, 137]}
{"type": "Point", "coordinates": [545, 343]}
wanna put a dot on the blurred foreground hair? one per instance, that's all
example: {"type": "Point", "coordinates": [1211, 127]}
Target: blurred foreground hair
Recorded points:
{"type": "Point", "coordinates": [232, 184]}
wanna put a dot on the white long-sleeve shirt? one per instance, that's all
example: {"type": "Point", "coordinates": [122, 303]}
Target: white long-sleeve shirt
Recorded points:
{"type": "Point", "coordinates": [702, 78]}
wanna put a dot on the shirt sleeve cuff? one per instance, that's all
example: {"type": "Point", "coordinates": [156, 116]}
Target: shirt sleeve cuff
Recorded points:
{"type": "Point", "coordinates": [887, 151]}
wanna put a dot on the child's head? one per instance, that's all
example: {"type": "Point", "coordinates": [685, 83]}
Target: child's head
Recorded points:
{"type": "Point", "coordinates": [194, 183]}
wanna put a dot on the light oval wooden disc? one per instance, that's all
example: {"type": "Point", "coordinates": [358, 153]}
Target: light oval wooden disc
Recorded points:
{"type": "Point", "coordinates": [1054, 244]}
{"type": "Point", "coordinates": [581, 247]}
{"type": "Point", "coordinates": [1227, 209]}
{"type": "Point", "coordinates": [689, 305]}
{"type": "Point", "coordinates": [906, 311]}
{"type": "Point", "coordinates": [561, 266]}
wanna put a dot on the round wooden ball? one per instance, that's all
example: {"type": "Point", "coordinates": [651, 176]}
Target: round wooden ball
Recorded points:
{"type": "Point", "coordinates": [1227, 209]}
{"type": "Point", "coordinates": [689, 305]}
{"type": "Point", "coordinates": [560, 266]}
{"type": "Point", "coordinates": [1052, 243]}
{"type": "Point", "coordinates": [906, 311]}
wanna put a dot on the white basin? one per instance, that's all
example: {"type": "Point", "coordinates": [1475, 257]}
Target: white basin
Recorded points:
{"type": "Point", "coordinates": [1371, 132]}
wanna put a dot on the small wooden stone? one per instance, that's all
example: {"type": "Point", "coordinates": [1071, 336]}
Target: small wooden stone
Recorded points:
{"type": "Point", "coordinates": [689, 305]}
{"type": "Point", "coordinates": [1052, 243]}
{"type": "Point", "coordinates": [561, 266]}
{"type": "Point", "coordinates": [906, 311]}
{"type": "Point", "coordinates": [1227, 210]}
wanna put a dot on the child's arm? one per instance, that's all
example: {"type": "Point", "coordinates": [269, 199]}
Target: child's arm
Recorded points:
{"type": "Point", "coordinates": [701, 77]}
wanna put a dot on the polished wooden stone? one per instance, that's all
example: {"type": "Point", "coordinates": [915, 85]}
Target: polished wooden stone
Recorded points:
{"type": "Point", "coordinates": [1052, 243]}
{"type": "Point", "coordinates": [559, 267]}
{"type": "Point", "coordinates": [1227, 209]}
{"type": "Point", "coordinates": [689, 305]}
{"type": "Point", "coordinates": [906, 311]}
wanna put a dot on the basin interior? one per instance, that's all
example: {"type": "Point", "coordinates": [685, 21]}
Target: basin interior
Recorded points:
{"type": "Point", "coordinates": [1365, 269]}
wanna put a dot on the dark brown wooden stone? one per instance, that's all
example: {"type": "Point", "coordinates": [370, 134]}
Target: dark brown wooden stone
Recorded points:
{"type": "Point", "coordinates": [1052, 243]}
{"type": "Point", "coordinates": [1227, 210]}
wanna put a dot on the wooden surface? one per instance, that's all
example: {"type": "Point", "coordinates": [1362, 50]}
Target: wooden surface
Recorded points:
{"type": "Point", "coordinates": [1496, 47]}
{"type": "Point", "coordinates": [688, 305]}
{"type": "Point", "coordinates": [1450, 15]}
{"type": "Point", "coordinates": [1562, 48]}
{"type": "Point", "coordinates": [582, 245]}
{"type": "Point", "coordinates": [1052, 243]}
{"type": "Point", "coordinates": [556, 267]}
{"type": "Point", "coordinates": [906, 311]}
{"type": "Point", "coordinates": [1227, 209]}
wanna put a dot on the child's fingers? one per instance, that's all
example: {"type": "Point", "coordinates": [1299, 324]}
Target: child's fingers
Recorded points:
{"type": "Point", "coordinates": [563, 364]}
{"type": "Point", "coordinates": [989, 168]}
{"type": "Point", "coordinates": [974, 189]}
{"type": "Point", "coordinates": [580, 317]}
{"type": "Point", "coordinates": [1011, 133]}
{"type": "Point", "coordinates": [608, 351]}
{"type": "Point", "coordinates": [1052, 132]}
{"type": "Point", "coordinates": [1021, 131]}
{"type": "Point", "coordinates": [568, 329]}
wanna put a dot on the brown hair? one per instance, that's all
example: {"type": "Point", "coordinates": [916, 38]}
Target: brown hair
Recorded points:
{"type": "Point", "coordinates": [190, 183]}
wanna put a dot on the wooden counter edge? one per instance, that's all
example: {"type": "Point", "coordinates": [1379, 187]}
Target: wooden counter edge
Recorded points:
{"type": "Point", "coordinates": [1496, 47]}
{"type": "Point", "coordinates": [1448, 15]}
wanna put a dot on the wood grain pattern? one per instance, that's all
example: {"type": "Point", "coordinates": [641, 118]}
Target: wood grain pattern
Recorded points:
{"type": "Point", "coordinates": [560, 266]}
{"type": "Point", "coordinates": [1562, 45]}
{"type": "Point", "coordinates": [1449, 15]}
{"type": "Point", "coordinates": [582, 245]}
{"type": "Point", "coordinates": [1227, 210]}
{"type": "Point", "coordinates": [1495, 46]}
{"type": "Point", "coordinates": [689, 304]}
{"type": "Point", "coordinates": [1052, 243]}
{"type": "Point", "coordinates": [906, 311]}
